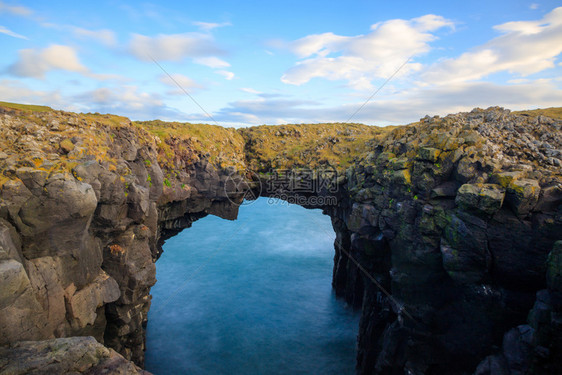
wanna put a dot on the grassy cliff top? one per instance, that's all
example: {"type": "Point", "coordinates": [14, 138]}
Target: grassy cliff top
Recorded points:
{"type": "Point", "coordinates": [553, 112]}
{"type": "Point", "coordinates": [38, 132]}
{"type": "Point", "coordinates": [26, 107]}
{"type": "Point", "coordinates": [307, 145]}
{"type": "Point", "coordinates": [53, 141]}
{"type": "Point", "coordinates": [263, 147]}
{"type": "Point", "coordinates": [222, 146]}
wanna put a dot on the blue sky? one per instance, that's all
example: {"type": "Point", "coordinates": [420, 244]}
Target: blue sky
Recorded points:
{"type": "Point", "coordinates": [256, 62]}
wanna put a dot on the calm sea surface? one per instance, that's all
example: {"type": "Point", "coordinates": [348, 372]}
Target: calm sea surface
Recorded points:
{"type": "Point", "coordinates": [250, 296]}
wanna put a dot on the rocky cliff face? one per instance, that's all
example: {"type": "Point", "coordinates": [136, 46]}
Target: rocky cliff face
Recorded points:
{"type": "Point", "coordinates": [454, 217]}
{"type": "Point", "coordinates": [84, 209]}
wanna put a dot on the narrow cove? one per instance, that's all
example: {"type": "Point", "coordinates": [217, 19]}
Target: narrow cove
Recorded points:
{"type": "Point", "coordinates": [251, 296]}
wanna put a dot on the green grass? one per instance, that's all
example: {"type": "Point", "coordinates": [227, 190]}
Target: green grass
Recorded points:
{"type": "Point", "coordinates": [224, 145]}
{"type": "Point", "coordinates": [26, 107]}
{"type": "Point", "coordinates": [307, 145]}
{"type": "Point", "coordinates": [553, 112]}
{"type": "Point", "coordinates": [258, 148]}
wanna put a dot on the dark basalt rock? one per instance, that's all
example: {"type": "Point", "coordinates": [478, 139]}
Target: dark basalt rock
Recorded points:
{"type": "Point", "coordinates": [468, 227]}
{"type": "Point", "coordinates": [535, 347]}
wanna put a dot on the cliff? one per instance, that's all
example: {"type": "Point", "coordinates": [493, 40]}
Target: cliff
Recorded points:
{"type": "Point", "coordinates": [84, 208]}
{"type": "Point", "coordinates": [454, 217]}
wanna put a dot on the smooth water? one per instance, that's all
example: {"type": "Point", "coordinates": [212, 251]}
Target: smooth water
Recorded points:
{"type": "Point", "coordinates": [251, 296]}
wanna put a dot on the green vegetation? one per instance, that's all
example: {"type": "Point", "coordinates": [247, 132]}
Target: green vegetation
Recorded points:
{"type": "Point", "coordinates": [190, 142]}
{"type": "Point", "coordinates": [106, 119]}
{"type": "Point", "coordinates": [307, 145]}
{"type": "Point", "coordinates": [77, 136]}
{"type": "Point", "coordinates": [259, 148]}
{"type": "Point", "coordinates": [26, 107]}
{"type": "Point", "coordinates": [554, 112]}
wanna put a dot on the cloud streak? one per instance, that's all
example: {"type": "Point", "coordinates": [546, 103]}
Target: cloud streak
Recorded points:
{"type": "Point", "coordinates": [9, 32]}
{"type": "Point", "coordinates": [174, 47]}
{"type": "Point", "coordinates": [184, 81]}
{"type": "Point", "coordinates": [398, 108]}
{"type": "Point", "coordinates": [208, 26]}
{"type": "Point", "coordinates": [16, 10]}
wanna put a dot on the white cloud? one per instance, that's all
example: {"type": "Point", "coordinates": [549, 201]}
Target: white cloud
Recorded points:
{"type": "Point", "coordinates": [250, 90]}
{"type": "Point", "coordinates": [128, 101]}
{"type": "Point", "coordinates": [207, 26]}
{"type": "Point", "coordinates": [518, 81]}
{"type": "Point", "coordinates": [212, 62]}
{"type": "Point", "coordinates": [226, 74]}
{"type": "Point", "coordinates": [114, 98]}
{"type": "Point", "coordinates": [15, 91]}
{"type": "Point", "coordinates": [185, 82]}
{"type": "Point", "coordinates": [246, 118]}
{"type": "Point", "coordinates": [103, 36]}
{"type": "Point", "coordinates": [266, 110]}
{"type": "Point", "coordinates": [360, 59]}
{"type": "Point", "coordinates": [173, 47]}
{"type": "Point", "coordinates": [35, 63]}
{"type": "Point", "coordinates": [398, 108]}
{"type": "Point", "coordinates": [6, 31]}
{"type": "Point", "coordinates": [460, 97]}
{"type": "Point", "coordinates": [16, 10]}
{"type": "Point", "coordinates": [524, 48]}
{"type": "Point", "coordinates": [534, 6]}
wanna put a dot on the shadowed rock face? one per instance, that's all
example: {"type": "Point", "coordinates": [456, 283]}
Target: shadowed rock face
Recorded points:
{"type": "Point", "coordinates": [454, 217]}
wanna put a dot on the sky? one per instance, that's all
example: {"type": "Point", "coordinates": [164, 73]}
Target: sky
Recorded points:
{"type": "Point", "coordinates": [243, 63]}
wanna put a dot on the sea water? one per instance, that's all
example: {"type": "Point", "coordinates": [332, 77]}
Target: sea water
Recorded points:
{"type": "Point", "coordinates": [251, 296]}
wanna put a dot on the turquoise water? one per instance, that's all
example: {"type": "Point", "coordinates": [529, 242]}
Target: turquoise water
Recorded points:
{"type": "Point", "coordinates": [250, 296]}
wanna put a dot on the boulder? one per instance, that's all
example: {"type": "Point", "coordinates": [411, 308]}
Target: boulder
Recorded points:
{"type": "Point", "coordinates": [484, 199]}
{"type": "Point", "coordinates": [522, 195]}
{"type": "Point", "coordinates": [72, 355]}
{"type": "Point", "coordinates": [428, 154]}
{"type": "Point", "coordinates": [21, 316]}
{"type": "Point", "coordinates": [66, 145]}
{"type": "Point", "coordinates": [13, 281]}
{"type": "Point", "coordinates": [138, 201]}
{"type": "Point", "coordinates": [83, 304]}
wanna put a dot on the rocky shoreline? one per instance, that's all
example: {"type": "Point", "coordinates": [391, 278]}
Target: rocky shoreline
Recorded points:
{"type": "Point", "coordinates": [454, 216]}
